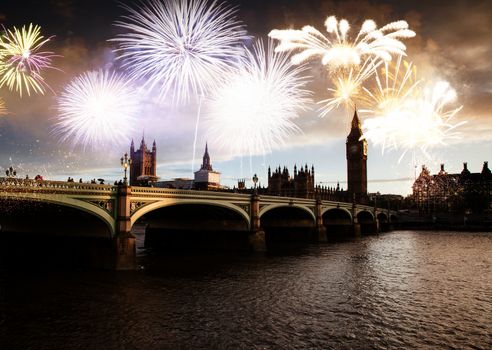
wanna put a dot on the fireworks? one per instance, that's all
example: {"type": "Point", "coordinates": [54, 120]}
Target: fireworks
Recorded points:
{"type": "Point", "coordinates": [96, 108]}
{"type": "Point", "coordinates": [23, 61]}
{"type": "Point", "coordinates": [3, 109]}
{"type": "Point", "coordinates": [182, 47]}
{"type": "Point", "coordinates": [420, 119]}
{"type": "Point", "coordinates": [337, 50]}
{"type": "Point", "coordinates": [350, 62]}
{"type": "Point", "coordinates": [348, 86]}
{"type": "Point", "coordinates": [254, 110]}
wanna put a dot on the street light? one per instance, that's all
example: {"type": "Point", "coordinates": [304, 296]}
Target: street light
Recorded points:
{"type": "Point", "coordinates": [125, 163]}
{"type": "Point", "coordinates": [255, 180]}
{"type": "Point", "coordinates": [10, 172]}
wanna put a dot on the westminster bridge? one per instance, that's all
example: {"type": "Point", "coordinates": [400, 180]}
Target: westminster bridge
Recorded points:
{"type": "Point", "coordinates": [106, 212]}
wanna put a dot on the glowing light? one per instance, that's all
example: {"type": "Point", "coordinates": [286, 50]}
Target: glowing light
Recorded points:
{"type": "Point", "coordinates": [337, 49]}
{"type": "Point", "coordinates": [253, 111]}
{"type": "Point", "coordinates": [182, 47]}
{"type": "Point", "coordinates": [347, 86]}
{"type": "Point", "coordinates": [418, 119]}
{"type": "Point", "coordinates": [23, 60]}
{"type": "Point", "coordinates": [97, 108]}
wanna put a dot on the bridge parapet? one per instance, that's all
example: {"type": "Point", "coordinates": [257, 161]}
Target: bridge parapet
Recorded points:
{"type": "Point", "coordinates": [9, 184]}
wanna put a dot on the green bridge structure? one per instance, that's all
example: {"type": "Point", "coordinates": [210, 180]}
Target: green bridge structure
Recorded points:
{"type": "Point", "coordinates": [109, 213]}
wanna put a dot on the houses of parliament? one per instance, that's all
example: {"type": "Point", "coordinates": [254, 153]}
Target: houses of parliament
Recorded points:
{"type": "Point", "coordinates": [143, 172]}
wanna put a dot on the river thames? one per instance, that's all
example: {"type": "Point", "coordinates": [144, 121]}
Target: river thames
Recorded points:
{"type": "Point", "coordinates": [403, 289]}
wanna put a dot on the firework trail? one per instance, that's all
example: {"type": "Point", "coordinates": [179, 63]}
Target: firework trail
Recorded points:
{"type": "Point", "coordinates": [97, 107]}
{"type": "Point", "coordinates": [23, 60]}
{"type": "Point", "coordinates": [349, 61]}
{"type": "Point", "coordinates": [253, 111]}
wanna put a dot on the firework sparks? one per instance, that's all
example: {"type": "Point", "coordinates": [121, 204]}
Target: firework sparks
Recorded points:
{"type": "Point", "coordinates": [97, 107]}
{"type": "Point", "coordinates": [254, 110]}
{"type": "Point", "coordinates": [182, 47]}
{"type": "Point", "coordinates": [23, 60]}
{"type": "Point", "coordinates": [338, 50]}
{"type": "Point", "coordinates": [3, 109]}
{"type": "Point", "coordinates": [350, 61]}
{"type": "Point", "coordinates": [419, 119]}
{"type": "Point", "coordinates": [348, 86]}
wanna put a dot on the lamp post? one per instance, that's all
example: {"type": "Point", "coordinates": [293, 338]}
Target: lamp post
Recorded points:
{"type": "Point", "coordinates": [11, 172]}
{"type": "Point", "coordinates": [255, 180]}
{"type": "Point", "coordinates": [125, 163]}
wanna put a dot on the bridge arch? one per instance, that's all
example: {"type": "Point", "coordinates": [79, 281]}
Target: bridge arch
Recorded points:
{"type": "Point", "coordinates": [270, 207]}
{"type": "Point", "coordinates": [365, 216]}
{"type": "Point", "coordinates": [168, 202]}
{"type": "Point", "coordinates": [382, 218]}
{"type": "Point", "coordinates": [340, 212]}
{"type": "Point", "coordinates": [69, 202]}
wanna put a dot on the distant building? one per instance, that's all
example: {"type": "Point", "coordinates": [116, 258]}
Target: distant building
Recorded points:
{"type": "Point", "coordinates": [206, 178]}
{"type": "Point", "coordinates": [443, 192]}
{"type": "Point", "coordinates": [301, 185]}
{"type": "Point", "coordinates": [144, 164]}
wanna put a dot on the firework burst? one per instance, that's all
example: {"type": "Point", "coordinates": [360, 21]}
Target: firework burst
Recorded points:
{"type": "Point", "coordinates": [337, 49]}
{"type": "Point", "coordinates": [181, 47]}
{"type": "Point", "coordinates": [23, 60]}
{"type": "Point", "coordinates": [419, 119]}
{"type": "Point", "coordinates": [253, 111]}
{"type": "Point", "coordinates": [347, 87]}
{"type": "Point", "coordinates": [98, 107]}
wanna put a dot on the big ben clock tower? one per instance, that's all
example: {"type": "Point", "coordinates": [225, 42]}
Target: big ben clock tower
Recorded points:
{"type": "Point", "coordinates": [356, 161]}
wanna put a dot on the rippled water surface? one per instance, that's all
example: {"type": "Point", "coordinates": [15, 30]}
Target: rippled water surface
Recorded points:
{"type": "Point", "coordinates": [398, 290]}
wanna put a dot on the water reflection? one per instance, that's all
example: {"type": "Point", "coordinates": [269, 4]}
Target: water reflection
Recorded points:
{"type": "Point", "coordinates": [399, 290]}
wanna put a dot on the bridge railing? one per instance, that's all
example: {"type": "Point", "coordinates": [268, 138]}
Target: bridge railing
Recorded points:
{"type": "Point", "coordinates": [136, 190]}
{"type": "Point", "coordinates": [13, 184]}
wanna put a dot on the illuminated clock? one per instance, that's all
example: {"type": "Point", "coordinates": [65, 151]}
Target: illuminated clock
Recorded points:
{"type": "Point", "coordinates": [365, 148]}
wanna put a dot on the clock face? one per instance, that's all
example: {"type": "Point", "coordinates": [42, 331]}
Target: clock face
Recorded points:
{"type": "Point", "coordinates": [365, 148]}
{"type": "Point", "coordinates": [354, 149]}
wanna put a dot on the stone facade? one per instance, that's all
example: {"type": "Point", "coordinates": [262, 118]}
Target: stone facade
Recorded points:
{"type": "Point", "coordinates": [143, 170]}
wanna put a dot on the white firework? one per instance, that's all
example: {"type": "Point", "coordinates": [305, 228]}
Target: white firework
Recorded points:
{"type": "Point", "coordinates": [97, 107]}
{"type": "Point", "coordinates": [254, 110]}
{"type": "Point", "coordinates": [422, 119]}
{"type": "Point", "coordinates": [181, 47]}
{"type": "Point", "coordinates": [338, 49]}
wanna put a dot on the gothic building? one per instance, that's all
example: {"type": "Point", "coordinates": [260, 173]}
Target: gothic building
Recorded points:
{"type": "Point", "coordinates": [301, 185]}
{"type": "Point", "coordinates": [460, 192]}
{"type": "Point", "coordinates": [356, 150]}
{"type": "Point", "coordinates": [206, 178]}
{"type": "Point", "coordinates": [143, 167]}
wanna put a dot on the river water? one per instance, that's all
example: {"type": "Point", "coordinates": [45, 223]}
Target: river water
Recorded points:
{"type": "Point", "coordinates": [402, 289]}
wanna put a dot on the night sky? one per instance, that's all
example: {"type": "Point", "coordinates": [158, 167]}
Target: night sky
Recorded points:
{"type": "Point", "coordinates": [452, 43]}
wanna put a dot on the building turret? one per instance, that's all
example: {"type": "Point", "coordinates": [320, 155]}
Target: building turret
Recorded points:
{"type": "Point", "coordinates": [465, 169]}
{"type": "Point", "coordinates": [206, 178]}
{"type": "Point", "coordinates": [143, 169]}
{"type": "Point", "coordinates": [485, 170]}
{"type": "Point", "coordinates": [442, 171]}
